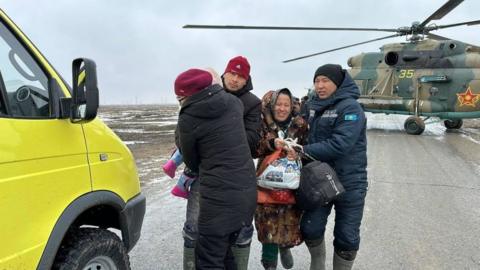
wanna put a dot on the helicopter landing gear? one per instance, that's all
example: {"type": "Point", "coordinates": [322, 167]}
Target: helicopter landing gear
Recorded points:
{"type": "Point", "coordinates": [414, 125]}
{"type": "Point", "coordinates": [453, 124]}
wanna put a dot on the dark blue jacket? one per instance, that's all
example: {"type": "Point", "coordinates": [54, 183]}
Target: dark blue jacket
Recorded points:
{"type": "Point", "coordinates": [338, 133]}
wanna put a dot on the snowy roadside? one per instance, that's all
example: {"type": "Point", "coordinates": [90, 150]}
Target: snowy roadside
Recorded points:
{"type": "Point", "coordinates": [437, 153]}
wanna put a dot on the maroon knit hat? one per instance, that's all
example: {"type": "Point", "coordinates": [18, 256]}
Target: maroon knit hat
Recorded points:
{"type": "Point", "coordinates": [192, 81]}
{"type": "Point", "coordinates": [240, 66]}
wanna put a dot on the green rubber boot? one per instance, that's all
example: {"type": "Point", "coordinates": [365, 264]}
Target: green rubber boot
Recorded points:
{"type": "Point", "coordinates": [340, 263]}
{"type": "Point", "coordinates": [317, 253]}
{"type": "Point", "coordinates": [241, 255]}
{"type": "Point", "coordinates": [269, 256]}
{"type": "Point", "coordinates": [188, 258]}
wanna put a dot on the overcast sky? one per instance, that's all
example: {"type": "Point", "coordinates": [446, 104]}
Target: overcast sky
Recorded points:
{"type": "Point", "coordinates": [140, 46]}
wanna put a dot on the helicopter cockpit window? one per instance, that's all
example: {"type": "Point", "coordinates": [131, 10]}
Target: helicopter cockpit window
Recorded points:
{"type": "Point", "coordinates": [25, 82]}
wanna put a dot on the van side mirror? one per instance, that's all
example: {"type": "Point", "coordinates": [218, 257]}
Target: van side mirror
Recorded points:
{"type": "Point", "coordinates": [85, 90]}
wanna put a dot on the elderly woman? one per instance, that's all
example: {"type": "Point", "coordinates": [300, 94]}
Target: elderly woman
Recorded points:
{"type": "Point", "coordinates": [278, 225]}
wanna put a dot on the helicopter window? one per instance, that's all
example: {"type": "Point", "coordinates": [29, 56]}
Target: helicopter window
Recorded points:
{"type": "Point", "coordinates": [25, 83]}
{"type": "Point", "coordinates": [452, 46]}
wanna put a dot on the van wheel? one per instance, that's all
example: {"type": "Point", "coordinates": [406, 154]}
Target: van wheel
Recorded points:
{"type": "Point", "coordinates": [92, 249]}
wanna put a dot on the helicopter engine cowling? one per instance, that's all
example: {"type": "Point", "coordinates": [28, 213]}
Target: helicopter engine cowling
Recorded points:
{"type": "Point", "coordinates": [355, 61]}
{"type": "Point", "coordinates": [391, 58]}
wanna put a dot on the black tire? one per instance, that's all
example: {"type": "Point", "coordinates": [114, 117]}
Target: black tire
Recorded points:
{"type": "Point", "coordinates": [453, 124]}
{"type": "Point", "coordinates": [95, 248]}
{"type": "Point", "coordinates": [414, 125]}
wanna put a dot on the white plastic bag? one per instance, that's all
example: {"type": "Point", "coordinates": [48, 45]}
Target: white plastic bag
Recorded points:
{"type": "Point", "coordinates": [281, 173]}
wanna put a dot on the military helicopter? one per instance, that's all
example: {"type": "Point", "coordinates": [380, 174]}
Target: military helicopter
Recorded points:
{"type": "Point", "coordinates": [428, 76]}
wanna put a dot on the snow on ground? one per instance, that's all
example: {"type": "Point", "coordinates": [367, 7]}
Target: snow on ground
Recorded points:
{"type": "Point", "coordinates": [148, 132]}
{"type": "Point", "coordinates": [133, 142]}
{"type": "Point", "coordinates": [393, 122]}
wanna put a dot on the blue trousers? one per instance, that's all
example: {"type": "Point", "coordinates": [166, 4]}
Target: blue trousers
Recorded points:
{"type": "Point", "coordinates": [348, 217]}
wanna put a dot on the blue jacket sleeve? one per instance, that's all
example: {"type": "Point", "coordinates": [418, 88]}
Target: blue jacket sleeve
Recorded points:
{"type": "Point", "coordinates": [348, 127]}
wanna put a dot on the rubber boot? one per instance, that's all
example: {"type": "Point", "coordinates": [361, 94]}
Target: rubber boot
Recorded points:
{"type": "Point", "coordinates": [317, 253]}
{"type": "Point", "coordinates": [269, 256]}
{"type": "Point", "coordinates": [169, 168]}
{"type": "Point", "coordinates": [179, 192]}
{"type": "Point", "coordinates": [286, 258]}
{"type": "Point", "coordinates": [188, 258]}
{"type": "Point", "coordinates": [340, 263]}
{"type": "Point", "coordinates": [269, 265]}
{"type": "Point", "coordinates": [241, 255]}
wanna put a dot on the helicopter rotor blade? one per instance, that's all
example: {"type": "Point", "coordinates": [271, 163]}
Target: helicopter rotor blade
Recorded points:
{"type": "Point", "coordinates": [340, 48]}
{"type": "Point", "coordinates": [252, 27]}
{"type": "Point", "coordinates": [442, 11]}
{"type": "Point", "coordinates": [470, 23]}
{"type": "Point", "coordinates": [437, 37]}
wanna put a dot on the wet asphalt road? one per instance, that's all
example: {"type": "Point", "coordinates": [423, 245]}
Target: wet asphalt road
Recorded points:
{"type": "Point", "coordinates": [422, 209]}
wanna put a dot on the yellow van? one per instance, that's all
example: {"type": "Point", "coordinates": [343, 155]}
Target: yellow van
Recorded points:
{"type": "Point", "coordinates": [69, 190]}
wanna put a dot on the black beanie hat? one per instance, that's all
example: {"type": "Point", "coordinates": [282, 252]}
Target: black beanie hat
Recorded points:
{"type": "Point", "coordinates": [334, 72]}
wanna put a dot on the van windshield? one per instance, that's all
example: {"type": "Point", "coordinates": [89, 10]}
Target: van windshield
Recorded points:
{"type": "Point", "coordinates": [25, 83]}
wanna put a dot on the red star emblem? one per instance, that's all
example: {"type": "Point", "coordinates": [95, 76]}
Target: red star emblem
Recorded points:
{"type": "Point", "coordinates": [468, 98]}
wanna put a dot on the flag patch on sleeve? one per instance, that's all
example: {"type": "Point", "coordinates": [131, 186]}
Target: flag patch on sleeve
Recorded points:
{"type": "Point", "coordinates": [351, 117]}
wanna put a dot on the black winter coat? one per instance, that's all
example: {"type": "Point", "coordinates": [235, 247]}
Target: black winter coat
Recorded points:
{"type": "Point", "coordinates": [212, 139]}
{"type": "Point", "coordinates": [252, 111]}
{"type": "Point", "coordinates": [337, 133]}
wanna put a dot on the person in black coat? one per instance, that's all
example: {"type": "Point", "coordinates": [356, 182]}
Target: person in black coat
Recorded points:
{"type": "Point", "coordinates": [337, 136]}
{"type": "Point", "coordinates": [238, 82]}
{"type": "Point", "coordinates": [212, 139]}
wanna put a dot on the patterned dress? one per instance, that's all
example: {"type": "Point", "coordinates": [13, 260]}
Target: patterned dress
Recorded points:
{"type": "Point", "coordinates": [278, 223]}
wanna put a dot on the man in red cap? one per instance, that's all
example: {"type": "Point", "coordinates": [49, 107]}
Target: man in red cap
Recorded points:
{"type": "Point", "coordinates": [212, 139]}
{"type": "Point", "coordinates": [237, 81]}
